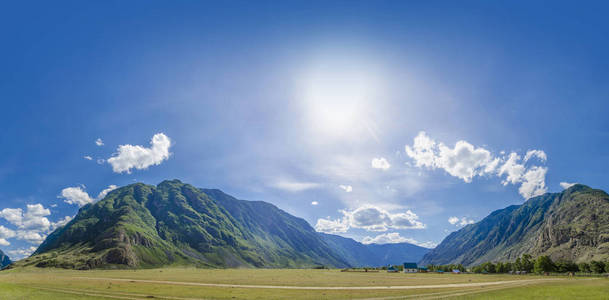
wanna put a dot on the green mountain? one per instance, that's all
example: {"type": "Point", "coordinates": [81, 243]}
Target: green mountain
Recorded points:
{"type": "Point", "coordinates": [374, 255]}
{"type": "Point", "coordinates": [4, 260]}
{"type": "Point", "coordinates": [175, 223]}
{"type": "Point", "coordinates": [572, 225]}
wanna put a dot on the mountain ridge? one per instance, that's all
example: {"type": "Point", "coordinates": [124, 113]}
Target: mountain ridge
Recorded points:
{"type": "Point", "coordinates": [571, 225]}
{"type": "Point", "coordinates": [173, 223]}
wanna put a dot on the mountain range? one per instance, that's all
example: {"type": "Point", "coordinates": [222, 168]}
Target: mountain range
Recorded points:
{"type": "Point", "coordinates": [175, 223]}
{"type": "Point", "coordinates": [572, 225]}
{"type": "Point", "coordinates": [362, 255]}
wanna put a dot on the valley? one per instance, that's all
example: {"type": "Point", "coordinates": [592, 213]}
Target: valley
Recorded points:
{"type": "Point", "coordinates": [192, 283]}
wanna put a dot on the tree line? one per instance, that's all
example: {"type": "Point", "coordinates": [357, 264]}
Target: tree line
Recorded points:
{"type": "Point", "coordinates": [540, 265]}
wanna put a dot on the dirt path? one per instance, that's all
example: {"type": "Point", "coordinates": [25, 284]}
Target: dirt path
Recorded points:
{"type": "Point", "coordinates": [394, 287]}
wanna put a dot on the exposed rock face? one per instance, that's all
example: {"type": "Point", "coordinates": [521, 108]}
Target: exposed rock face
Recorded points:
{"type": "Point", "coordinates": [571, 225]}
{"type": "Point", "coordinates": [175, 223]}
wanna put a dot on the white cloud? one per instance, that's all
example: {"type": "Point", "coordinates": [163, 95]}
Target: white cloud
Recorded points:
{"type": "Point", "coordinates": [140, 157]}
{"type": "Point", "coordinates": [32, 224]}
{"type": "Point", "coordinates": [331, 226]}
{"type": "Point", "coordinates": [346, 188]}
{"type": "Point", "coordinates": [385, 238]}
{"type": "Point", "coordinates": [31, 236]}
{"type": "Point", "coordinates": [77, 195]}
{"type": "Point", "coordinates": [371, 218]}
{"type": "Point", "coordinates": [512, 169]}
{"type": "Point", "coordinates": [12, 215]}
{"type": "Point", "coordinates": [87, 157]}
{"type": "Point", "coordinates": [534, 182]}
{"type": "Point", "coordinates": [380, 163]}
{"type": "Point", "coordinates": [566, 185]}
{"type": "Point", "coordinates": [61, 222]}
{"type": "Point", "coordinates": [21, 253]}
{"type": "Point", "coordinates": [99, 142]}
{"type": "Point", "coordinates": [105, 192]}
{"type": "Point", "coordinates": [540, 154]}
{"type": "Point", "coordinates": [460, 222]}
{"type": "Point", "coordinates": [5, 234]}
{"type": "Point", "coordinates": [393, 238]}
{"type": "Point", "coordinates": [34, 218]}
{"type": "Point", "coordinates": [294, 186]}
{"type": "Point", "coordinates": [314, 203]}
{"type": "Point", "coordinates": [465, 161]}
{"type": "Point", "coordinates": [101, 161]}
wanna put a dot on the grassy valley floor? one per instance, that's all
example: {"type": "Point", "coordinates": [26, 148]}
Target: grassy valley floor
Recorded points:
{"type": "Point", "coordinates": [191, 283]}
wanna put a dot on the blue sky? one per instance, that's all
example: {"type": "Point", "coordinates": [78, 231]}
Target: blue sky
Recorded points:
{"type": "Point", "coordinates": [302, 103]}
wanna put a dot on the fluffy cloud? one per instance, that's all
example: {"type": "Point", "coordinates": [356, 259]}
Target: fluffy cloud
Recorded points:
{"type": "Point", "coordinates": [87, 157]}
{"type": "Point", "coordinates": [380, 163]}
{"type": "Point", "coordinates": [393, 238]}
{"type": "Point", "coordinates": [465, 161]}
{"type": "Point", "coordinates": [331, 226]}
{"type": "Point", "coordinates": [460, 222]}
{"type": "Point", "coordinates": [99, 142]}
{"type": "Point", "coordinates": [34, 218]}
{"type": "Point", "coordinates": [535, 153]}
{"type": "Point", "coordinates": [139, 157]}
{"type": "Point", "coordinates": [566, 185]}
{"type": "Point", "coordinates": [5, 234]}
{"type": "Point", "coordinates": [314, 203]}
{"type": "Point", "coordinates": [21, 253]}
{"type": "Point", "coordinates": [61, 222]}
{"type": "Point", "coordinates": [77, 195]}
{"type": "Point", "coordinates": [31, 236]}
{"type": "Point", "coordinates": [346, 188]}
{"type": "Point", "coordinates": [105, 191]}
{"type": "Point", "coordinates": [533, 182]}
{"type": "Point", "coordinates": [370, 218]}
{"type": "Point", "coordinates": [32, 224]}
{"type": "Point", "coordinates": [294, 186]}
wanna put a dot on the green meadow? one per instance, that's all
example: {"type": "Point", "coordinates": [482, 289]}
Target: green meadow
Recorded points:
{"type": "Point", "coordinates": [192, 283]}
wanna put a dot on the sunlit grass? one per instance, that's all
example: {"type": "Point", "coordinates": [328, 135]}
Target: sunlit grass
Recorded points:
{"type": "Point", "coordinates": [35, 283]}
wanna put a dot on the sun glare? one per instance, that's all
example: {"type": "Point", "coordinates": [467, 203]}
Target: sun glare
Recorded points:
{"type": "Point", "coordinates": [338, 99]}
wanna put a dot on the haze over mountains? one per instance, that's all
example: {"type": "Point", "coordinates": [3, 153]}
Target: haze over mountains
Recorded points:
{"type": "Point", "coordinates": [572, 225]}
{"type": "Point", "coordinates": [175, 223]}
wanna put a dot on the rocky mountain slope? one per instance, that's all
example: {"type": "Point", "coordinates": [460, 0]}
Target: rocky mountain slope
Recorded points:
{"type": "Point", "coordinates": [572, 225]}
{"type": "Point", "coordinates": [175, 223]}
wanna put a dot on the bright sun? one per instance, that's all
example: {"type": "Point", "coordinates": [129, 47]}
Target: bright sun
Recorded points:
{"type": "Point", "coordinates": [337, 100]}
